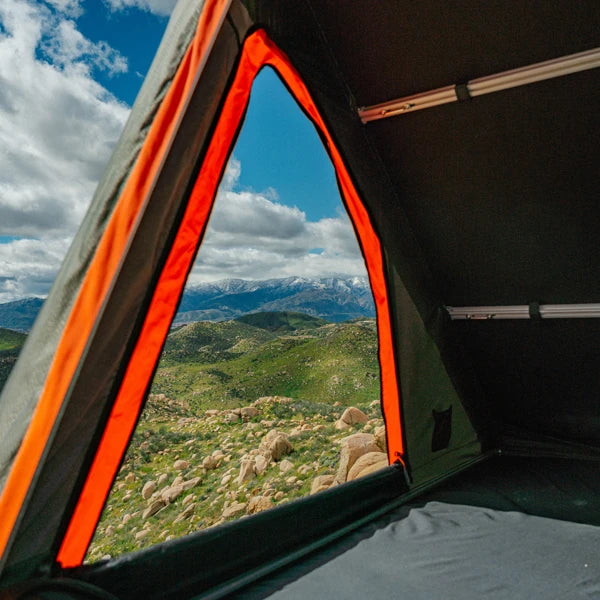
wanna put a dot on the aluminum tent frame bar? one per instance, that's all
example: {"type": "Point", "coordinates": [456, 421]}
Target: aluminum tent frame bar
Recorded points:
{"type": "Point", "coordinates": [582, 61]}
{"type": "Point", "coordinates": [544, 311]}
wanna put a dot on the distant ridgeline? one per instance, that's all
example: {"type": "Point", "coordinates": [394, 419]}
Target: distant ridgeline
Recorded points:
{"type": "Point", "coordinates": [334, 299]}
{"type": "Point", "coordinates": [275, 305]}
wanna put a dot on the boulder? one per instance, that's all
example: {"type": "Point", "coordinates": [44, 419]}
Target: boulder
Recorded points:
{"type": "Point", "coordinates": [367, 463]}
{"type": "Point", "coordinates": [341, 425]}
{"type": "Point", "coordinates": [190, 483]}
{"type": "Point", "coordinates": [181, 465]}
{"type": "Point", "coordinates": [185, 513]}
{"type": "Point", "coordinates": [261, 463]}
{"type": "Point", "coordinates": [172, 493]}
{"type": "Point", "coordinates": [148, 489]}
{"type": "Point", "coordinates": [380, 438]}
{"type": "Point", "coordinates": [231, 417]}
{"type": "Point", "coordinates": [248, 412]}
{"type": "Point", "coordinates": [275, 445]}
{"type": "Point", "coordinates": [210, 462]}
{"type": "Point", "coordinates": [162, 479]}
{"type": "Point", "coordinates": [140, 535]}
{"type": "Point", "coordinates": [237, 508]}
{"type": "Point", "coordinates": [352, 448]}
{"type": "Point", "coordinates": [286, 465]}
{"type": "Point", "coordinates": [130, 478]}
{"type": "Point", "coordinates": [258, 504]}
{"type": "Point", "coordinates": [320, 483]}
{"type": "Point", "coordinates": [353, 415]}
{"type": "Point", "coordinates": [154, 507]}
{"type": "Point", "coordinates": [247, 471]}
{"type": "Point", "coordinates": [188, 499]}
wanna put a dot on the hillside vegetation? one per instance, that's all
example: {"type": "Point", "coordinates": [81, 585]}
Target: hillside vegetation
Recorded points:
{"type": "Point", "coordinates": [245, 415]}
{"type": "Point", "coordinates": [224, 365]}
{"type": "Point", "coordinates": [11, 343]}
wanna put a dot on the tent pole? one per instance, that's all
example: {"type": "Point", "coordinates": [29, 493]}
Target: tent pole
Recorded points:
{"type": "Point", "coordinates": [565, 65]}
{"type": "Point", "coordinates": [546, 311]}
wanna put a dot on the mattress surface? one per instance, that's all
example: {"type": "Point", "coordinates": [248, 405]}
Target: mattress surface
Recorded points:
{"type": "Point", "coordinates": [453, 551]}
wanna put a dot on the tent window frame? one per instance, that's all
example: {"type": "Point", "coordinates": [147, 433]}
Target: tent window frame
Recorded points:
{"type": "Point", "coordinates": [258, 51]}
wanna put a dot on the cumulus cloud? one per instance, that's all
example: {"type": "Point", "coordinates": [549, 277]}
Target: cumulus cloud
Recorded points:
{"type": "Point", "coordinates": [72, 8]}
{"type": "Point", "coordinates": [158, 7]}
{"type": "Point", "coordinates": [58, 127]}
{"type": "Point", "coordinates": [253, 236]}
{"type": "Point", "coordinates": [28, 266]}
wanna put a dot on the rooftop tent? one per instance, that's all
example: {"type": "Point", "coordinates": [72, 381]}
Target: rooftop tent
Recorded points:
{"type": "Point", "coordinates": [470, 208]}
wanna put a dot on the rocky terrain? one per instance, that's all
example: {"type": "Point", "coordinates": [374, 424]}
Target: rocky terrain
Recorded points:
{"type": "Point", "coordinates": [211, 448]}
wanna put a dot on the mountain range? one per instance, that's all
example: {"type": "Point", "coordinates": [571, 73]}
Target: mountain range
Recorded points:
{"type": "Point", "coordinates": [335, 299]}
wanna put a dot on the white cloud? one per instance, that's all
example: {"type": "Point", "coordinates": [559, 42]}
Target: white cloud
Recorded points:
{"type": "Point", "coordinates": [158, 7]}
{"type": "Point", "coordinates": [68, 49]}
{"type": "Point", "coordinates": [72, 8]}
{"type": "Point", "coordinates": [28, 266]}
{"type": "Point", "coordinates": [58, 127]}
{"type": "Point", "coordinates": [57, 130]}
{"type": "Point", "coordinates": [252, 236]}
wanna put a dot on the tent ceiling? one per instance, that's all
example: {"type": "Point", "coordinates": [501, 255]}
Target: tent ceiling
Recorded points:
{"type": "Point", "coordinates": [486, 202]}
{"type": "Point", "coordinates": [488, 185]}
{"type": "Point", "coordinates": [392, 48]}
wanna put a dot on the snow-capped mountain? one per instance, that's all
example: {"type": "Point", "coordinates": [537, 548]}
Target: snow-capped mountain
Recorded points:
{"type": "Point", "coordinates": [332, 298]}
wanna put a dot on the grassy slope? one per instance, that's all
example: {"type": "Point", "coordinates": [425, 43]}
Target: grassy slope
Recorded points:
{"type": "Point", "coordinates": [11, 340]}
{"type": "Point", "coordinates": [11, 343]}
{"type": "Point", "coordinates": [333, 362]}
{"type": "Point", "coordinates": [282, 322]}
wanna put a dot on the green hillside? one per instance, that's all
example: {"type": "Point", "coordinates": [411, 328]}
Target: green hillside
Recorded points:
{"type": "Point", "coordinates": [11, 340]}
{"type": "Point", "coordinates": [330, 363]}
{"type": "Point", "coordinates": [11, 343]}
{"type": "Point", "coordinates": [205, 341]}
{"type": "Point", "coordinates": [282, 322]}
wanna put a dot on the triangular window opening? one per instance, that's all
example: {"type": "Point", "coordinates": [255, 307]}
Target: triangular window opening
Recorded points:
{"type": "Point", "coordinates": [271, 360]}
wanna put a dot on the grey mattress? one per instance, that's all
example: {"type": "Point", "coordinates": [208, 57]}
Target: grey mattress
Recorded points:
{"type": "Point", "coordinates": [455, 552]}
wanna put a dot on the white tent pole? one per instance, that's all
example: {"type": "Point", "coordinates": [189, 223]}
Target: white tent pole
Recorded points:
{"type": "Point", "coordinates": [546, 311]}
{"type": "Point", "coordinates": [549, 69]}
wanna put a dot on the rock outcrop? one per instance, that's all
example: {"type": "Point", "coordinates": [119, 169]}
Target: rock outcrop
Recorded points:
{"type": "Point", "coordinates": [367, 463]}
{"type": "Point", "coordinates": [275, 445]}
{"type": "Point", "coordinates": [352, 448]}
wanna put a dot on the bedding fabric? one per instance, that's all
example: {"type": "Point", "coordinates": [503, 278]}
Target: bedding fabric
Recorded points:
{"type": "Point", "coordinates": [453, 551]}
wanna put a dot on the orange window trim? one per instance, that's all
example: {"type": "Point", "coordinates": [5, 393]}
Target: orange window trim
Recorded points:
{"type": "Point", "coordinates": [103, 269]}
{"type": "Point", "coordinates": [258, 51]}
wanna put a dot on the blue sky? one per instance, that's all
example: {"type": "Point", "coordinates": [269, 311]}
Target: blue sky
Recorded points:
{"type": "Point", "coordinates": [69, 74]}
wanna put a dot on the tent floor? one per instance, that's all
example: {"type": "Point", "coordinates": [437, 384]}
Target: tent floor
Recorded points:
{"type": "Point", "coordinates": [509, 528]}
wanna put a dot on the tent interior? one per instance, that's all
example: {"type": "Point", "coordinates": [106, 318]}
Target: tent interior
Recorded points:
{"type": "Point", "coordinates": [480, 204]}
